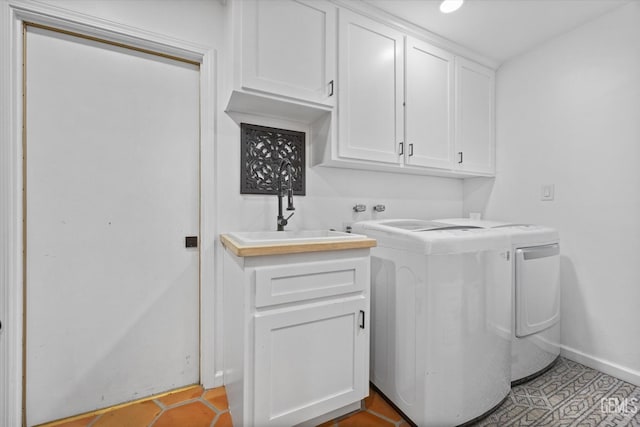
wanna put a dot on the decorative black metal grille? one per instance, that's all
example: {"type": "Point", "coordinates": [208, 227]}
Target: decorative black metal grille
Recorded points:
{"type": "Point", "coordinates": [263, 149]}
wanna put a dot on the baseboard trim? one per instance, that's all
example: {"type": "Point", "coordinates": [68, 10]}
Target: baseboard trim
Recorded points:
{"type": "Point", "coordinates": [622, 372]}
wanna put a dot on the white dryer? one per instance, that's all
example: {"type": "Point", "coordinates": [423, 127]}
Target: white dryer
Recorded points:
{"type": "Point", "coordinates": [441, 316]}
{"type": "Point", "coordinates": [536, 295]}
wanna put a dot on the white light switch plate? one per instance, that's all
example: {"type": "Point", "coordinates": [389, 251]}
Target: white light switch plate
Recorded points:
{"type": "Point", "coordinates": [547, 192]}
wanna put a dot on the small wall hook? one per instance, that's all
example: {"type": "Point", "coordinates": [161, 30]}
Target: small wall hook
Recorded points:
{"type": "Point", "coordinates": [359, 208]}
{"type": "Point", "coordinates": [379, 208]}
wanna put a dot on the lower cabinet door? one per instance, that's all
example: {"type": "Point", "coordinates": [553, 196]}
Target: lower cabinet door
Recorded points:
{"type": "Point", "coordinates": [310, 360]}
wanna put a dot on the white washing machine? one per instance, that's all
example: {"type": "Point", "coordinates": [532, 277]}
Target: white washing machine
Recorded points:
{"type": "Point", "coordinates": [441, 316]}
{"type": "Point", "coordinates": [536, 293]}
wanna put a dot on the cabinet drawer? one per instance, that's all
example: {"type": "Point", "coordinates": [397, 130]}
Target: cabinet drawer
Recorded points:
{"type": "Point", "coordinates": [290, 283]}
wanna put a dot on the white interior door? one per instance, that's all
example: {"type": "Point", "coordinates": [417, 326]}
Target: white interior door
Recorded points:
{"type": "Point", "coordinates": [112, 167]}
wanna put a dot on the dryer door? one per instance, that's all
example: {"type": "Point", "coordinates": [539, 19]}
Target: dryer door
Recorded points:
{"type": "Point", "coordinates": [537, 288]}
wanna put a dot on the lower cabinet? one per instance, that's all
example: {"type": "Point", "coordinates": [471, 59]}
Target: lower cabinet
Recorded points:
{"type": "Point", "coordinates": [309, 361]}
{"type": "Point", "coordinates": [296, 336]}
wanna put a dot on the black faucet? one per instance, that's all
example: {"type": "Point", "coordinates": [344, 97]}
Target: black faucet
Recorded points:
{"type": "Point", "coordinates": [282, 221]}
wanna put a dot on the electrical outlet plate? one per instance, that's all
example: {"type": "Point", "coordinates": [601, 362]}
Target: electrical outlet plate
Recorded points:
{"type": "Point", "coordinates": [547, 192]}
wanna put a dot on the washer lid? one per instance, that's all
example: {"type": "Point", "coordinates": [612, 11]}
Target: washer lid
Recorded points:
{"type": "Point", "coordinates": [521, 234]}
{"type": "Point", "coordinates": [415, 224]}
{"type": "Point", "coordinates": [473, 222]}
{"type": "Point", "coordinates": [431, 237]}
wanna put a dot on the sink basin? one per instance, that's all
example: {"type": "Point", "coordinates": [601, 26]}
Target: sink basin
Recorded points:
{"type": "Point", "coordinates": [250, 238]}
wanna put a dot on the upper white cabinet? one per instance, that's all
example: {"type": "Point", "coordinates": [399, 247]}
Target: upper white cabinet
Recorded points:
{"type": "Point", "coordinates": [405, 105]}
{"type": "Point", "coordinates": [374, 97]}
{"type": "Point", "coordinates": [370, 89]}
{"type": "Point", "coordinates": [429, 105]}
{"type": "Point", "coordinates": [475, 90]}
{"type": "Point", "coordinates": [288, 48]}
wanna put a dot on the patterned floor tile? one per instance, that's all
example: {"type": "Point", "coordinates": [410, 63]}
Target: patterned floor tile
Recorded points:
{"type": "Point", "coordinates": [571, 395]}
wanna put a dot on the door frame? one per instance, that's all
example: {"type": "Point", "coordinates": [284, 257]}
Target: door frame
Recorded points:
{"type": "Point", "coordinates": [13, 15]}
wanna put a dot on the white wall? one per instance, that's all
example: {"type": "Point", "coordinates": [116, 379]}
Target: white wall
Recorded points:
{"type": "Point", "coordinates": [568, 113]}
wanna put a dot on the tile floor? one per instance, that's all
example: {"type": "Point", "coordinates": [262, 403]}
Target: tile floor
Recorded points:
{"type": "Point", "coordinates": [191, 407]}
{"type": "Point", "coordinates": [195, 407]}
{"type": "Point", "coordinates": [569, 394]}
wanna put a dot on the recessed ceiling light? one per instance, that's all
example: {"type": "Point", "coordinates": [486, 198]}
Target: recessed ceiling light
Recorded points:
{"type": "Point", "coordinates": [448, 6]}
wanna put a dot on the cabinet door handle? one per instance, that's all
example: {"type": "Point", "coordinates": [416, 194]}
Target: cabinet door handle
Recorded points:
{"type": "Point", "coordinates": [401, 149]}
{"type": "Point", "coordinates": [331, 88]}
{"type": "Point", "coordinates": [361, 319]}
{"type": "Point", "coordinates": [460, 158]}
{"type": "Point", "coordinates": [410, 150]}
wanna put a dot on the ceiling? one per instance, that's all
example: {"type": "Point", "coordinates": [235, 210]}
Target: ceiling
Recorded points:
{"type": "Point", "coordinates": [499, 29]}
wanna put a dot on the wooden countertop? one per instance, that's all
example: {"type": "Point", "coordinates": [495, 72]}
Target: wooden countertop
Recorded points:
{"type": "Point", "coordinates": [294, 248]}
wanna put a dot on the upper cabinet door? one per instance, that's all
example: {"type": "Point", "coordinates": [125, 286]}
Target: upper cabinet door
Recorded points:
{"type": "Point", "coordinates": [429, 105]}
{"type": "Point", "coordinates": [370, 89]}
{"type": "Point", "coordinates": [289, 48]}
{"type": "Point", "coordinates": [474, 117]}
